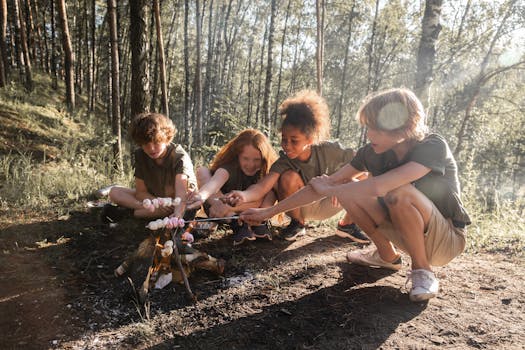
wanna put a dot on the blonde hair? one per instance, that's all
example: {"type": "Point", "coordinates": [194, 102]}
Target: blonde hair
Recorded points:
{"type": "Point", "coordinates": [396, 111]}
{"type": "Point", "coordinates": [151, 127]}
{"type": "Point", "coordinates": [230, 152]}
{"type": "Point", "coordinates": [308, 112]}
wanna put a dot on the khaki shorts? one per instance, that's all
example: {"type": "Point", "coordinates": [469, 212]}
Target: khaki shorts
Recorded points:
{"type": "Point", "coordinates": [320, 210]}
{"type": "Point", "coordinates": [443, 241]}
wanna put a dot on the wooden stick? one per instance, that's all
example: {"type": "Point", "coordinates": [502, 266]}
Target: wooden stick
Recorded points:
{"type": "Point", "coordinates": [181, 268]}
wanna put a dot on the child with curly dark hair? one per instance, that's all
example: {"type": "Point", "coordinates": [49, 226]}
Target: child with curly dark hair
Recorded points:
{"type": "Point", "coordinates": [162, 169]}
{"type": "Point", "coordinates": [305, 154]}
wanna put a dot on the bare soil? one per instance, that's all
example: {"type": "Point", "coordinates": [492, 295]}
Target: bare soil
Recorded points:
{"type": "Point", "coordinates": [57, 290]}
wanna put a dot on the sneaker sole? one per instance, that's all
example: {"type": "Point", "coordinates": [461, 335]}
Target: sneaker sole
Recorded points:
{"type": "Point", "coordinates": [364, 263]}
{"type": "Point", "coordinates": [236, 243]}
{"type": "Point", "coordinates": [343, 234]}
{"type": "Point", "coordinates": [268, 237]}
{"type": "Point", "coordinates": [297, 235]}
{"type": "Point", "coordinates": [422, 297]}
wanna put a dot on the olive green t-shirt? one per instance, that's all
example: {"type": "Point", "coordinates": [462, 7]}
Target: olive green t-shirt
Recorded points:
{"type": "Point", "coordinates": [440, 185]}
{"type": "Point", "coordinates": [160, 179]}
{"type": "Point", "coordinates": [237, 179]}
{"type": "Point", "coordinates": [326, 158]}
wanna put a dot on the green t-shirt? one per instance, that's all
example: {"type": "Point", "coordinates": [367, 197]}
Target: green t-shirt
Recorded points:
{"type": "Point", "coordinates": [326, 158]}
{"type": "Point", "coordinates": [238, 180]}
{"type": "Point", "coordinates": [160, 179]}
{"type": "Point", "coordinates": [440, 185]}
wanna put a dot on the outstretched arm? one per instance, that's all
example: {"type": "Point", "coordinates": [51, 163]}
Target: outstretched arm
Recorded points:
{"type": "Point", "coordinates": [304, 196]}
{"type": "Point", "coordinates": [197, 198]}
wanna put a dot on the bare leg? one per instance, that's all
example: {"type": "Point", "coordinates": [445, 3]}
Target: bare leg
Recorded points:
{"type": "Point", "coordinates": [367, 213]}
{"type": "Point", "coordinates": [410, 212]}
{"type": "Point", "coordinates": [289, 183]}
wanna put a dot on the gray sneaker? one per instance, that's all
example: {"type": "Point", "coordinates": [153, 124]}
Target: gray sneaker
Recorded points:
{"type": "Point", "coordinates": [370, 257]}
{"type": "Point", "coordinates": [425, 285]}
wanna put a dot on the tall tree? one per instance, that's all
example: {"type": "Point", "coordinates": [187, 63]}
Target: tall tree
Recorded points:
{"type": "Point", "coordinates": [115, 85]}
{"type": "Point", "coordinates": [342, 91]}
{"type": "Point", "coordinates": [139, 57]}
{"type": "Point", "coordinates": [268, 81]}
{"type": "Point", "coordinates": [430, 29]}
{"type": "Point", "coordinates": [20, 24]}
{"type": "Point", "coordinates": [319, 11]}
{"type": "Point", "coordinates": [188, 135]}
{"type": "Point", "coordinates": [198, 84]}
{"type": "Point", "coordinates": [3, 49]}
{"type": "Point", "coordinates": [162, 60]}
{"type": "Point", "coordinates": [54, 72]}
{"type": "Point", "coordinates": [69, 57]}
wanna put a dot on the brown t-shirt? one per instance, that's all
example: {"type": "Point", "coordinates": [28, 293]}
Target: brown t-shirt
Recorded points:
{"type": "Point", "coordinates": [238, 180]}
{"type": "Point", "coordinates": [440, 185]}
{"type": "Point", "coordinates": [326, 158]}
{"type": "Point", "coordinates": [160, 179]}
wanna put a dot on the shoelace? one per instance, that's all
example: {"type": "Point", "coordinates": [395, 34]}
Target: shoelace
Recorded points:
{"type": "Point", "coordinates": [419, 279]}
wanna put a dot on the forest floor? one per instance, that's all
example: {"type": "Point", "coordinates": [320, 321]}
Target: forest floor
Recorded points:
{"type": "Point", "coordinates": [57, 290]}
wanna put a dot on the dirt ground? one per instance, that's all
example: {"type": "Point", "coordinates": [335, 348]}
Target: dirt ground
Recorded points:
{"type": "Point", "coordinates": [57, 290]}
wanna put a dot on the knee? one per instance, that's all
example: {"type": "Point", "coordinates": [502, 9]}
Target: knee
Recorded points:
{"type": "Point", "coordinates": [399, 197]}
{"type": "Point", "coordinates": [290, 181]}
{"type": "Point", "coordinates": [114, 194]}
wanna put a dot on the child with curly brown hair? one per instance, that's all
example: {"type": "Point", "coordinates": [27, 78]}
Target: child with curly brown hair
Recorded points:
{"type": "Point", "coordinates": [242, 162]}
{"type": "Point", "coordinates": [162, 169]}
{"type": "Point", "coordinates": [305, 154]}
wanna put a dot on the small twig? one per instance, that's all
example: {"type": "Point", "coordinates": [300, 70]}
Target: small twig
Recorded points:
{"type": "Point", "coordinates": [181, 268]}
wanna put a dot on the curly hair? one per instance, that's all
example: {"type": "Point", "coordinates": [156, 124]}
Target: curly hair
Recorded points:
{"type": "Point", "coordinates": [308, 112]}
{"type": "Point", "coordinates": [397, 111]}
{"type": "Point", "coordinates": [235, 146]}
{"type": "Point", "coordinates": [151, 127]}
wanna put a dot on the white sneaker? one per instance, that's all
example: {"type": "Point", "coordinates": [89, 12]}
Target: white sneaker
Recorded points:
{"type": "Point", "coordinates": [425, 285]}
{"type": "Point", "coordinates": [370, 257]}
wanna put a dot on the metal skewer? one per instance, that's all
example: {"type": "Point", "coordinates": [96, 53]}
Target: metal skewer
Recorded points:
{"type": "Point", "coordinates": [235, 217]}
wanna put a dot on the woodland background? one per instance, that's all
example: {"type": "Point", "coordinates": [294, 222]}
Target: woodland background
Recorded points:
{"type": "Point", "coordinates": [73, 73]}
{"type": "Point", "coordinates": [216, 67]}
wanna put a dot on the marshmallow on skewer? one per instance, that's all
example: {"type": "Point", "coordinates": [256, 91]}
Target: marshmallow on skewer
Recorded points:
{"type": "Point", "coordinates": [166, 222]}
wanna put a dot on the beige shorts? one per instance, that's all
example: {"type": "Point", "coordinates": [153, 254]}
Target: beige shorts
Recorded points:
{"type": "Point", "coordinates": [320, 210]}
{"type": "Point", "coordinates": [443, 241]}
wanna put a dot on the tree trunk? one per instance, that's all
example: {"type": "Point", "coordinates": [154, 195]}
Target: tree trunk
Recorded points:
{"type": "Point", "coordinates": [39, 39]}
{"type": "Point", "coordinates": [319, 12]}
{"type": "Point", "coordinates": [92, 58]}
{"type": "Point", "coordinates": [268, 81]}
{"type": "Point", "coordinates": [115, 85]}
{"type": "Point", "coordinates": [198, 85]}
{"type": "Point", "coordinates": [342, 93]}
{"type": "Point", "coordinates": [279, 75]}
{"type": "Point", "coordinates": [19, 22]}
{"type": "Point", "coordinates": [54, 73]}
{"type": "Point", "coordinates": [370, 58]}
{"type": "Point", "coordinates": [3, 47]}
{"type": "Point", "coordinates": [430, 29]}
{"type": "Point", "coordinates": [139, 57]}
{"type": "Point", "coordinates": [68, 55]}
{"type": "Point", "coordinates": [162, 60]}
{"type": "Point", "coordinates": [188, 141]}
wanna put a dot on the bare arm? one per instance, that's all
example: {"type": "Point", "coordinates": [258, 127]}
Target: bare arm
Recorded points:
{"type": "Point", "coordinates": [377, 186]}
{"type": "Point", "coordinates": [181, 191]}
{"type": "Point", "coordinates": [304, 196]}
{"type": "Point", "coordinates": [255, 192]}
